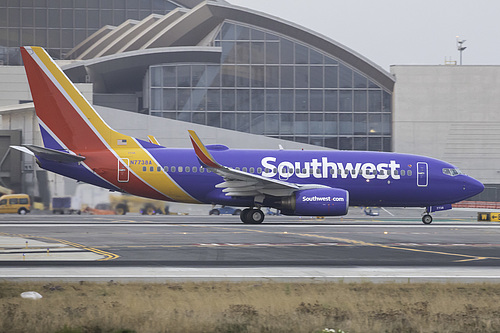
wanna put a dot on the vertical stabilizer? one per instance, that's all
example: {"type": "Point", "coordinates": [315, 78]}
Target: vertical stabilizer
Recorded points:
{"type": "Point", "coordinates": [67, 120]}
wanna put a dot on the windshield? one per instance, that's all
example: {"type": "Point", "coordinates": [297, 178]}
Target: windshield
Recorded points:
{"type": "Point", "coordinates": [452, 171]}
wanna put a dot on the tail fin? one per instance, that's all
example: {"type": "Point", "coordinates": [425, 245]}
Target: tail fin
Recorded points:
{"type": "Point", "coordinates": [67, 120]}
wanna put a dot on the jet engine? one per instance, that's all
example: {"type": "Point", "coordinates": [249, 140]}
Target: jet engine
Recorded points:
{"type": "Point", "coordinates": [316, 202]}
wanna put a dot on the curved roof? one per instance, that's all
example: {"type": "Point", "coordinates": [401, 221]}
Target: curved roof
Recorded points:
{"type": "Point", "coordinates": [125, 71]}
{"type": "Point", "coordinates": [191, 28]}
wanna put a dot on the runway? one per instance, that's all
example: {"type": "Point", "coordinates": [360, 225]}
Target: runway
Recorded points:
{"type": "Point", "coordinates": [164, 248]}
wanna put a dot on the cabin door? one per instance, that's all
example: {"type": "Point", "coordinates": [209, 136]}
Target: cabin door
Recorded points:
{"type": "Point", "coordinates": [422, 174]}
{"type": "Point", "coordinates": [123, 170]}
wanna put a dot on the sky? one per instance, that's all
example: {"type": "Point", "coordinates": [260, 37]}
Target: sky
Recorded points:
{"type": "Point", "coordinates": [399, 32]}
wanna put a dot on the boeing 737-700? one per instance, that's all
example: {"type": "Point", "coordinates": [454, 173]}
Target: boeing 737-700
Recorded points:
{"type": "Point", "coordinates": [80, 145]}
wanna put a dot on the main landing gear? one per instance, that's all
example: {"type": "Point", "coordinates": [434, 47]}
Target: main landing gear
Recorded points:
{"type": "Point", "coordinates": [252, 216]}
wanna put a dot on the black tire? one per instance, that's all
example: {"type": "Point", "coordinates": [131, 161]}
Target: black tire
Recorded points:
{"type": "Point", "coordinates": [214, 212]}
{"type": "Point", "coordinates": [22, 211]}
{"type": "Point", "coordinates": [243, 215]}
{"type": "Point", "coordinates": [149, 210]}
{"type": "Point", "coordinates": [121, 209]}
{"type": "Point", "coordinates": [252, 216]}
{"type": "Point", "coordinates": [427, 219]}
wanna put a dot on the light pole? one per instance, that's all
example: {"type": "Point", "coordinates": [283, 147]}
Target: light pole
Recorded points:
{"type": "Point", "coordinates": [461, 47]}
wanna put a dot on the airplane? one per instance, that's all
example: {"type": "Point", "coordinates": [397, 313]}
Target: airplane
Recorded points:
{"type": "Point", "coordinates": [77, 143]}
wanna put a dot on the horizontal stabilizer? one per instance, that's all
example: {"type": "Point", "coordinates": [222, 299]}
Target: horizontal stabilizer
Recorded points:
{"type": "Point", "coordinates": [49, 154]}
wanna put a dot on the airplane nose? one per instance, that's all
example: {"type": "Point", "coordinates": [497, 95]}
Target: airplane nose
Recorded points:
{"type": "Point", "coordinates": [473, 186]}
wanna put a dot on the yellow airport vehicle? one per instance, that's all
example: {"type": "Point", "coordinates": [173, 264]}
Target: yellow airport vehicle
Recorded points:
{"type": "Point", "coordinates": [15, 203]}
{"type": "Point", "coordinates": [124, 203]}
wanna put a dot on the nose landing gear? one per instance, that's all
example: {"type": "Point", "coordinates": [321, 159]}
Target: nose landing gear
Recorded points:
{"type": "Point", "coordinates": [426, 217]}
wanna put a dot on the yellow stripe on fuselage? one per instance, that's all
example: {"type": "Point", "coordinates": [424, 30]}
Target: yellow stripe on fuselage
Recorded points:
{"type": "Point", "coordinates": [159, 180]}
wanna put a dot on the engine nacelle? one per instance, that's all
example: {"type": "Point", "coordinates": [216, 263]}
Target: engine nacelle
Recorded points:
{"type": "Point", "coordinates": [317, 202]}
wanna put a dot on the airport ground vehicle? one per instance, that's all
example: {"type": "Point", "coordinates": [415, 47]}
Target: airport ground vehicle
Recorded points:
{"type": "Point", "coordinates": [64, 205]}
{"type": "Point", "coordinates": [15, 203]}
{"type": "Point", "coordinates": [123, 204]}
{"type": "Point", "coordinates": [225, 210]}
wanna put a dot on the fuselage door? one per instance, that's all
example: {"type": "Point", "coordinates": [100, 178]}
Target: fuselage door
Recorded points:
{"type": "Point", "coordinates": [422, 174]}
{"type": "Point", "coordinates": [123, 170]}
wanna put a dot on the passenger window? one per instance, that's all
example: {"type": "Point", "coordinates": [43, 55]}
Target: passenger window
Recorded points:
{"type": "Point", "coordinates": [144, 168]}
{"type": "Point", "coordinates": [252, 170]}
{"type": "Point", "coordinates": [172, 169]}
{"type": "Point", "coordinates": [3, 202]}
{"type": "Point", "coordinates": [188, 169]}
{"type": "Point", "coordinates": [158, 169]}
{"type": "Point", "coordinates": [13, 201]}
{"type": "Point", "coordinates": [202, 169]}
{"type": "Point", "coordinates": [195, 169]}
{"type": "Point", "coordinates": [259, 170]}
{"type": "Point", "coordinates": [237, 168]}
{"type": "Point", "coordinates": [403, 173]}
{"type": "Point", "coordinates": [179, 169]}
{"type": "Point", "coordinates": [151, 169]}
{"type": "Point", "coordinates": [166, 169]}
{"type": "Point", "coordinates": [409, 173]}
{"type": "Point", "coordinates": [23, 201]}
{"type": "Point", "coordinates": [244, 169]}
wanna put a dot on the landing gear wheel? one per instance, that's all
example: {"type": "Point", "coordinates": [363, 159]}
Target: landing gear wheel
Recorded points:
{"type": "Point", "coordinates": [121, 209]}
{"type": "Point", "coordinates": [149, 210]}
{"type": "Point", "coordinates": [427, 219]}
{"type": "Point", "coordinates": [243, 215]}
{"type": "Point", "coordinates": [252, 216]}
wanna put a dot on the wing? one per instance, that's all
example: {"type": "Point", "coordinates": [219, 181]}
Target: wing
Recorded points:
{"type": "Point", "coordinates": [243, 184]}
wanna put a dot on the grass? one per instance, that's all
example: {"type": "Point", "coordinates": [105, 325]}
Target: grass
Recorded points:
{"type": "Point", "coordinates": [249, 307]}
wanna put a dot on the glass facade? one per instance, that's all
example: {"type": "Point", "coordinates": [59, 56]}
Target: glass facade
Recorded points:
{"type": "Point", "coordinates": [272, 85]}
{"type": "Point", "coordinates": [60, 25]}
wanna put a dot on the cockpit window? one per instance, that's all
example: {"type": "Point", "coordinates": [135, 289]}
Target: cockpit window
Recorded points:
{"type": "Point", "coordinates": [451, 172]}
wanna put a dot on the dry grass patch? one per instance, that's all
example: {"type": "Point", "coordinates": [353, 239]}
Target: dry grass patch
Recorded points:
{"type": "Point", "coordinates": [250, 307]}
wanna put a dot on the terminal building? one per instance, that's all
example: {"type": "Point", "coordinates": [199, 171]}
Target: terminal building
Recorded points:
{"type": "Point", "coordinates": [241, 78]}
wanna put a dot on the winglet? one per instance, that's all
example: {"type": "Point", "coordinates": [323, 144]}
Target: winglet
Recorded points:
{"type": "Point", "coordinates": [153, 140]}
{"type": "Point", "coordinates": [202, 152]}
